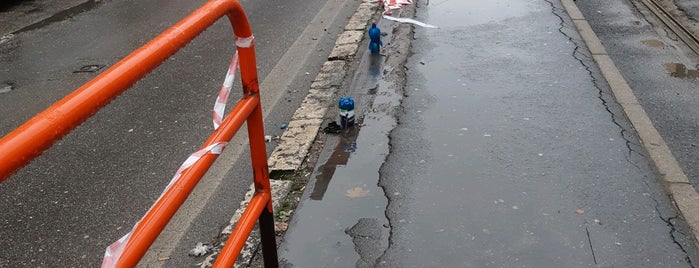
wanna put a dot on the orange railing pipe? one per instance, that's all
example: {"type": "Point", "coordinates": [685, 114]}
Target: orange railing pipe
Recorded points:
{"type": "Point", "coordinates": [28, 141]}
{"type": "Point", "coordinates": [155, 220]}
{"type": "Point", "coordinates": [242, 230]}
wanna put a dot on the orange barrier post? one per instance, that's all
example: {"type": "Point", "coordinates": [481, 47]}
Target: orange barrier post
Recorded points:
{"type": "Point", "coordinates": [245, 224]}
{"type": "Point", "coordinates": [28, 141]}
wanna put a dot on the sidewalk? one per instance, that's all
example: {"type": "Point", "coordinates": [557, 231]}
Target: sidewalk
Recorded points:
{"type": "Point", "coordinates": [508, 150]}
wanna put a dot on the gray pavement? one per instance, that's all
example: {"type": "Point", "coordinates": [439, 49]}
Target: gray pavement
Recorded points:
{"type": "Point", "coordinates": [32, 14]}
{"type": "Point", "coordinates": [647, 55]}
{"type": "Point", "coordinates": [508, 151]}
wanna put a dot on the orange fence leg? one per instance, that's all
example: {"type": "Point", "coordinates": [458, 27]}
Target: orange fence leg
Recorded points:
{"type": "Point", "coordinates": [259, 163]}
{"type": "Point", "coordinates": [258, 155]}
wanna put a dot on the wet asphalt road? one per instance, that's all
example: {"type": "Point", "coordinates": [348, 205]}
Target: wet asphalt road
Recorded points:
{"type": "Point", "coordinates": [647, 56]}
{"type": "Point", "coordinates": [89, 190]}
{"type": "Point", "coordinates": [508, 151]}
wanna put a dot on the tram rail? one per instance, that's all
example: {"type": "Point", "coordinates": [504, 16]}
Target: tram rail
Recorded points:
{"type": "Point", "coordinates": [686, 35]}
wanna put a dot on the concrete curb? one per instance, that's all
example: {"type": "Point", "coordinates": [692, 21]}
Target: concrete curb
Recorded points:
{"type": "Point", "coordinates": [671, 175]}
{"type": "Point", "coordinates": [280, 189]}
{"type": "Point", "coordinates": [297, 139]}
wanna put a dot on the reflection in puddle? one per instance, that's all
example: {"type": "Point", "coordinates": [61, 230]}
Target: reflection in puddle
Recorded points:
{"type": "Point", "coordinates": [680, 71]}
{"type": "Point", "coordinates": [339, 157]}
{"type": "Point", "coordinates": [375, 66]}
{"type": "Point", "coordinates": [459, 13]}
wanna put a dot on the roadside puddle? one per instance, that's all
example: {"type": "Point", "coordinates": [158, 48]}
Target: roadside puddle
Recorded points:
{"type": "Point", "coordinates": [339, 157]}
{"type": "Point", "coordinates": [679, 70]}
{"type": "Point", "coordinates": [653, 43]}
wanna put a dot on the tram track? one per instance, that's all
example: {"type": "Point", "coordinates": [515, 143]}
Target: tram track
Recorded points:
{"type": "Point", "coordinates": [686, 35]}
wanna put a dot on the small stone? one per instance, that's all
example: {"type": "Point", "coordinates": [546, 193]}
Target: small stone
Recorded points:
{"type": "Point", "coordinates": [6, 89]}
{"type": "Point", "coordinates": [281, 226]}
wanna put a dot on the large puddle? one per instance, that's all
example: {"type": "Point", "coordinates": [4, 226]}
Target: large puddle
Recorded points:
{"type": "Point", "coordinates": [338, 159]}
{"type": "Point", "coordinates": [341, 221]}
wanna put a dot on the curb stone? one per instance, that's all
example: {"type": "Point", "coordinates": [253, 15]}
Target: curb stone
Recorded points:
{"type": "Point", "coordinates": [294, 145]}
{"type": "Point", "coordinates": [344, 52]}
{"type": "Point", "coordinates": [350, 37]}
{"type": "Point", "coordinates": [279, 190]}
{"type": "Point", "coordinates": [297, 139]}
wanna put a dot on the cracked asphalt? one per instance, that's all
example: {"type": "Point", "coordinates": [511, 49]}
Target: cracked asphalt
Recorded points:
{"type": "Point", "coordinates": [507, 149]}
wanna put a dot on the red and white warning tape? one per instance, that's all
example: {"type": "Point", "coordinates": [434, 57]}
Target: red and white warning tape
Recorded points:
{"type": "Point", "coordinates": [244, 42]}
{"type": "Point", "coordinates": [215, 148]}
{"type": "Point", "coordinates": [389, 5]}
{"type": "Point", "coordinates": [114, 251]}
{"type": "Point", "coordinates": [222, 98]}
{"type": "Point", "coordinates": [408, 20]}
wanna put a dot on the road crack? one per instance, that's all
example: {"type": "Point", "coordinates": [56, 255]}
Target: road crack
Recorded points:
{"type": "Point", "coordinates": [589, 240]}
{"type": "Point", "coordinates": [673, 230]}
{"type": "Point", "coordinates": [585, 61]}
{"type": "Point", "coordinates": [401, 41]}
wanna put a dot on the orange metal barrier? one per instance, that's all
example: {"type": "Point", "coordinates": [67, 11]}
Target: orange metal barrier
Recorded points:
{"type": "Point", "coordinates": [28, 141]}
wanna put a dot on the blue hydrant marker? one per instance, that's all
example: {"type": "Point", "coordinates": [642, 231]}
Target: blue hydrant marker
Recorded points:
{"type": "Point", "coordinates": [346, 105]}
{"type": "Point", "coordinates": [375, 36]}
